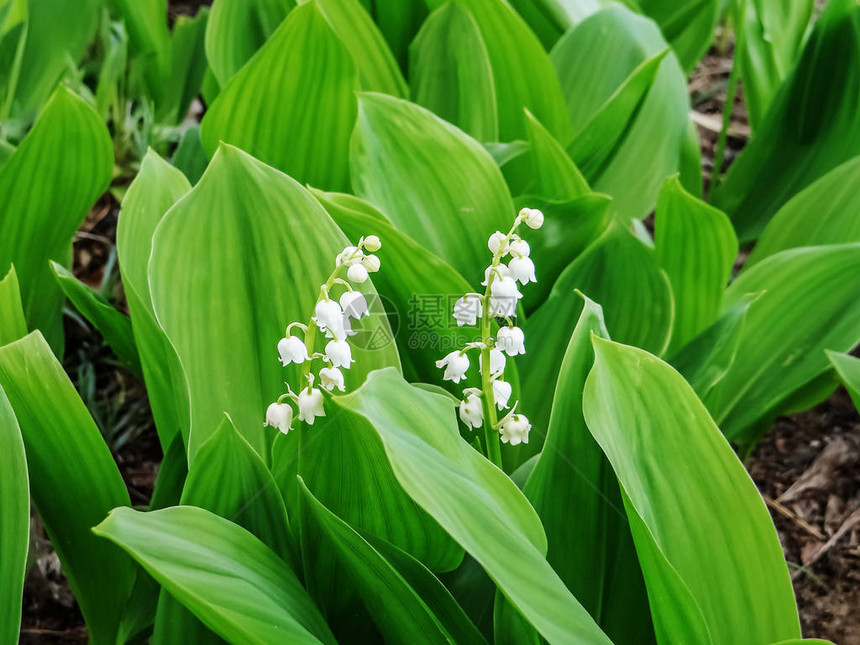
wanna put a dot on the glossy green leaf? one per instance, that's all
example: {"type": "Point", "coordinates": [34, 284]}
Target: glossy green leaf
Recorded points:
{"type": "Point", "coordinates": [632, 399]}
{"type": "Point", "coordinates": [473, 500]}
{"type": "Point", "coordinates": [848, 368]}
{"type": "Point", "coordinates": [696, 247]}
{"type": "Point", "coordinates": [574, 491]}
{"type": "Point", "coordinates": [238, 28]}
{"type": "Point", "coordinates": [73, 480]}
{"type": "Point", "coordinates": [809, 129]}
{"type": "Point", "coordinates": [554, 175]}
{"type": "Point", "coordinates": [230, 480]}
{"type": "Point", "coordinates": [825, 212]}
{"type": "Point", "coordinates": [12, 322]}
{"type": "Point", "coordinates": [46, 188]}
{"type": "Point", "coordinates": [154, 190]}
{"type": "Point", "coordinates": [594, 61]}
{"type": "Point", "coordinates": [187, 66]}
{"type": "Point", "coordinates": [14, 521]}
{"type": "Point", "coordinates": [111, 323]}
{"type": "Point", "coordinates": [200, 272]}
{"type": "Point", "coordinates": [377, 69]}
{"type": "Point", "coordinates": [233, 582]}
{"type": "Point", "coordinates": [399, 22]}
{"type": "Point", "coordinates": [293, 105]}
{"type": "Point", "coordinates": [438, 185]}
{"type": "Point", "coordinates": [688, 25]}
{"type": "Point", "coordinates": [397, 609]}
{"type": "Point", "coordinates": [190, 157]}
{"type": "Point", "coordinates": [782, 344]}
{"type": "Point", "coordinates": [450, 72]}
{"type": "Point", "coordinates": [773, 32]}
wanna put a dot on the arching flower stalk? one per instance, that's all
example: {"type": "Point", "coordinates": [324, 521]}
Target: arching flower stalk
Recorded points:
{"type": "Point", "coordinates": [331, 318]}
{"type": "Point", "coordinates": [499, 300]}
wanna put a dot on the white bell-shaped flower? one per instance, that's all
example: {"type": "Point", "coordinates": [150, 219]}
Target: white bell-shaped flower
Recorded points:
{"type": "Point", "coordinates": [344, 330]}
{"type": "Point", "coordinates": [504, 295]}
{"type": "Point", "coordinates": [519, 248]}
{"type": "Point", "coordinates": [501, 393]}
{"type": "Point", "coordinates": [310, 405]}
{"type": "Point", "coordinates": [330, 378]}
{"type": "Point", "coordinates": [372, 243]}
{"type": "Point", "coordinates": [500, 271]}
{"type": "Point", "coordinates": [371, 263]}
{"type": "Point", "coordinates": [329, 315]}
{"type": "Point", "coordinates": [292, 350]}
{"type": "Point", "coordinates": [497, 361]}
{"type": "Point", "coordinates": [357, 273]}
{"type": "Point", "coordinates": [515, 429]}
{"type": "Point", "coordinates": [532, 217]}
{"type": "Point", "coordinates": [522, 269]}
{"type": "Point", "coordinates": [455, 365]}
{"type": "Point", "coordinates": [511, 340]}
{"type": "Point", "coordinates": [471, 409]}
{"type": "Point", "coordinates": [467, 310]}
{"type": "Point", "coordinates": [354, 304]}
{"type": "Point", "coordinates": [280, 416]}
{"type": "Point", "coordinates": [338, 353]}
{"type": "Point", "coordinates": [497, 243]}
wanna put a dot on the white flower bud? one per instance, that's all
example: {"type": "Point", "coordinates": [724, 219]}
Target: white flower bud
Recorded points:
{"type": "Point", "coordinates": [519, 248]}
{"type": "Point", "coordinates": [497, 361]}
{"type": "Point", "coordinates": [511, 340]}
{"type": "Point", "coordinates": [497, 243]}
{"type": "Point", "coordinates": [292, 350]}
{"type": "Point", "coordinates": [371, 263]}
{"type": "Point", "coordinates": [504, 296]}
{"type": "Point", "coordinates": [531, 217]}
{"type": "Point", "coordinates": [467, 310]}
{"type": "Point", "coordinates": [354, 304]}
{"type": "Point", "coordinates": [338, 353]}
{"type": "Point", "coordinates": [330, 378]}
{"type": "Point", "coordinates": [350, 255]}
{"type": "Point", "coordinates": [522, 269]}
{"type": "Point", "coordinates": [455, 365]}
{"type": "Point", "coordinates": [515, 429]}
{"type": "Point", "coordinates": [501, 393]}
{"type": "Point", "coordinates": [471, 410]}
{"type": "Point", "coordinates": [310, 405]}
{"type": "Point", "coordinates": [357, 273]}
{"type": "Point", "coordinates": [500, 271]}
{"type": "Point", "coordinates": [372, 243]}
{"type": "Point", "coordinates": [280, 416]}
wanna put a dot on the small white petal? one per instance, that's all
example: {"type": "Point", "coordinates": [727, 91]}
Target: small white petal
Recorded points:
{"type": "Point", "coordinates": [497, 361]}
{"type": "Point", "coordinates": [519, 248]}
{"type": "Point", "coordinates": [455, 365]}
{"type": "Point", "coordinates": [338, 353]}
{"type": "Point", "coordinates": [500, 271]}
{"type": "Point", "coordinates": [472, 411]}
{"type": "Point", "coordinates": [330, 378]}
{"type": "Point", "coordinates": [504, 295]}
{"type": "Point", "coordinates": [292, 350]}
{"type": "Point", "coordinates": [280, 416]}
{"type": "Point", "coordinates": [372, 243]}
{"type": "Point", "coordinates": [467, 310]}
{"type": "Point", "coordinates": [328, 315]}
{"type": "Point", "coordinates": [522, 269]}
{"type": "Point", "coordinates": [310, 405]}
{"type": "Point", "coordinates": [511, 340]}
{"type": "Point", "coordinates": [354, 304]}
{"type": "Point", "coordinates": [357, 273]}
{"type": "Point", "coordinates": [497, 243]}
{"type": "Point", "coordinates": [501, 393]}
{"type": "Point", "coordinates": [515, 429]}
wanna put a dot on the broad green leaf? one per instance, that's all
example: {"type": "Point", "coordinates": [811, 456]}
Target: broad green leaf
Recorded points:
{"type": "Point", "coordinates": [595, 61]}
{"type": "Point", "coordinates": [808, 304]}
{"type": "Point", "coordinates": [170, 480]}
{"type": "Point", "coordinates": [398, 22]}
{"type": "Point", "coordinates": [575, 493]}
{"type": "Point", "coordinates": [631, 400]}
{"type": "Point", "coordinates": [554, 175]}
{"type": "Point", "coordinates": [111, 323]}
{"type": "Point", "coordinates": [236, 29]}
{"type": "Point", "coordinates": [397, 609]}
{"type": "Point", "coordinates": [438, 185]}
{"type": "Point", "coordinates": [12, 323]}
{"type": "Point", "coordinates": [522, 72]}
{"type": "Point", "coordinates": [190, 157]}
{"type": "Point", "coordinates": [14, 521]}
{"type": "Point", "coordinates": [848, 368]}
{"type": "Point", "coordinates": [825, 212]}
{"type": "Point", "coordinates": [154, 190]}
{"type": "Point", "coordinates": [187, 66]}
{"type": "Point", "coordinates": [293, 105]}
{"type": "Point", "coordinates": [73, 480]}
{"type": "Point", "coordinates": [473, 500]}
{"type": "Point", "coordinates": [808, 130]}
{"type": "Point", "coordinates": [230, 480]}
{"type": "Point", "coordinates": [233, 582]}
{"type": "Point", "coordinates": [58, 34]}
{"type": "Point", "coordinates": [46, 188]}
{"type": "Point", "coordinates": [234, 262]}
{"type": "Point", "coordinates": [688, 25]}
{"type": "Point", "coordinates": [696, 247]}
{"type": "Point", "coordinates": [377, 69]}
{"type": "Point", "coordinates": [773, 32]}
{"type": "Point", "coordinates": [450, 72]}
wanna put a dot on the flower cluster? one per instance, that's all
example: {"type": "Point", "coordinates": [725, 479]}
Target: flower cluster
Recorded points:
{"type": "Point", "coordinates": [501, 282]}
{"type": "Point", "coordinates": [331, 318]}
